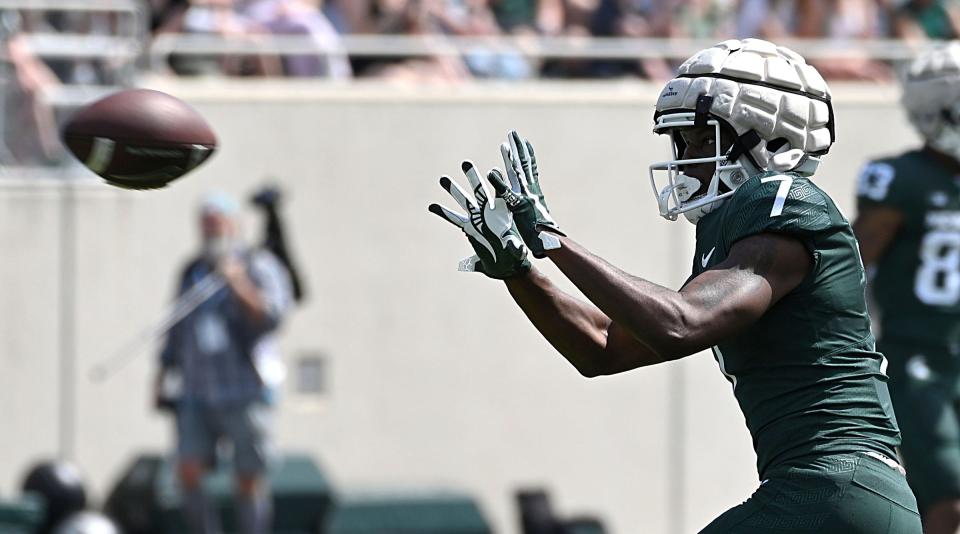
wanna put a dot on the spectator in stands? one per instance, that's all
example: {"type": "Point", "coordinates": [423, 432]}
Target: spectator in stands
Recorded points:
{"type": "Point", "coordinates": [847, 21]}
{"type": "Point", "coordinates": [844, 21]}
{"type": "Point", "coordinates": [475, 18]}
{"type": "Point", "coordinates": [578, 22]}
{"type": "Point", "coordinates": [767, 19]}
{"type": "Point", "coordinates": [404, 17]}
{"type": "Point", "coordinates": [324, 20]}
{"type": "Point", "coordinates": [927, 19]}
{"type": "Point", "coordinates": [352, 16]}
{"type": "Point", "coordinates": [162, 11]}
{"type": "Point", "coordinates": [303, 17]}
{"type": "Point", "coordinates": [524, 17]}
{"type": "Point", "coordinates": [525, 20]}
{"type": "Point", "coordinates": [646, 19]}
{"type": "Point", "coordinates": [87, 23]}
{"type": "Point", "coordinates": [614, 18]}
{"type": "Point", "coordinates": [225, 353]}
{"type": "Point", "coordinates": [217, 17]}
{"type": "Point", "coordinates": [704, 19]}
{"type": "Point", "coordinates": [30, 135]}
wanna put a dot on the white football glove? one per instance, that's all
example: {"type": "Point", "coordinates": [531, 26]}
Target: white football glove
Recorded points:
{"type": "Point", "coordinates": [524, 196]}
{"type": "Point", "coordinates": [489, 227]}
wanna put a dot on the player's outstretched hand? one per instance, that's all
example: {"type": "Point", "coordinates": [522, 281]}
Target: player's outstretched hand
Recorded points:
{"type": "Point", "coordinates": [489, 227]}
{"type": "Point", "coordinates": [524, 197]}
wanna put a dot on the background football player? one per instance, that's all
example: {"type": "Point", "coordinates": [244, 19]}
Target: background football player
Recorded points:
{"type": "Point", "coordinates": [909, 231]}
{"type": "Point", "coordinates": [777, 289]}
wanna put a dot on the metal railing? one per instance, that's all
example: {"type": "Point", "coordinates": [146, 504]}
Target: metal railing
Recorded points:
{"type": "Point", "coordinates": [122, 48]}
{"type": "Point", "coordinates": [74, 5]}
{"type": "Point", "coordinates": [81, 46]}
{"type": "Point", "coordinates": [165, 45]}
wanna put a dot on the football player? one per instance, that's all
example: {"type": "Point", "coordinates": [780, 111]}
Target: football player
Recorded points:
{"type": "Point", "coordinates": [909, 232]}
{"type": "Point", "coordinates": [777, 289]}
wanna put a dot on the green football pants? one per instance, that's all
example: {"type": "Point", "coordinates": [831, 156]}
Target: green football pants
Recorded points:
{"type": "Point", "coordinates": [924, 389]}
{"type": "Point", "coordinates": [842, 494]}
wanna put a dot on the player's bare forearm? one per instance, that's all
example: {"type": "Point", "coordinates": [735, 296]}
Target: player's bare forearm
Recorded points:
{"type": "Point", "coordinates": [584, 335]}
{"type": "Point", "coordinates": [653, 314]}
{"type": "Point", "coordinates": [875, 229]}
{"type": "Point", "coordinates": [715, 305]}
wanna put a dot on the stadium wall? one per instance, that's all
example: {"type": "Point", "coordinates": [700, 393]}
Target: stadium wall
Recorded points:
{"type": "Point", "coordinates": [434, 378]}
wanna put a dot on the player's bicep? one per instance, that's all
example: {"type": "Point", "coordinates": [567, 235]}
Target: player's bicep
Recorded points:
{"type": "Point", "coordinates": [875, 229]}
{"type": "Point", "coordinates": [758, 272]}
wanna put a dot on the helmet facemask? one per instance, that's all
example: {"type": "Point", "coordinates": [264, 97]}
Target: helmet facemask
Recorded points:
{"type": "Point", "coordinates": [931, 92]}
{"type": "Point", "coordinates": [945, 131]}
{"type": "Point", "coordinates": [691, 196]}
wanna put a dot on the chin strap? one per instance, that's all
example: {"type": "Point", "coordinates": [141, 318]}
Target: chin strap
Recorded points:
{"type": "Point", "coordinates": [808, 166]}
{"type": "Point", "coordinates": [786, 160]}
{"type": "Point", "coordinates": [743, 144]}
{"type": "Point", "coordinates": [702, 111]}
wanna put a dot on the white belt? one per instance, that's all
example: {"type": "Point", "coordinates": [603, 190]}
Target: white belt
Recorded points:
{"type": "Point", "coordinates": [891, 463]}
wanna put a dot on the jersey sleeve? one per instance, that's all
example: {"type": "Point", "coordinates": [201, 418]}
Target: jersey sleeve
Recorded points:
{"type": "Point", "coordinates": [779, 203]}
{"type": "Point", "coordinates": [878, 184]}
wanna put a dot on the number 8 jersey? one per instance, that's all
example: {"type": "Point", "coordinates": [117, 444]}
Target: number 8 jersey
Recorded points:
{"type": "Point", "coordinates": [917, 280]}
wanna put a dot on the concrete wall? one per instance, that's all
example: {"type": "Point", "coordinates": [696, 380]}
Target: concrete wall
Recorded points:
{"type": "Point", "coordinates": [435, 378]}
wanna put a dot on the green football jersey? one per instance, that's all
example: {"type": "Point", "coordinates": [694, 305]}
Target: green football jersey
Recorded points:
{"type": "Point", "coordinates": [917, 280]}
{"type": "Point", "coordinates": [806, 374]}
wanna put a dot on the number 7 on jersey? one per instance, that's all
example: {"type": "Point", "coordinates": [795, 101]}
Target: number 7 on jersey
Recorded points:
{"type": "Point", "coordinates": [782, 191]}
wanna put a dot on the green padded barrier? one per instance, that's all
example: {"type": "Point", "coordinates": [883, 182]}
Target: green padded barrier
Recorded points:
{"type": "Point", "coordinates": [147, 499]}
{"type": "Point", "coordinates": [583, 526]}
{"type": "Point", "coordinates": [407, 513]}
{"type": "Point", "coordinates": [21, 516]}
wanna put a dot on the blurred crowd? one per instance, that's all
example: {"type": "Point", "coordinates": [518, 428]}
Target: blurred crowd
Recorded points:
{"type": "Point", "coordinates": [326, 21]}
{"type": "Point", "coordinates": [319, 27]}
{"type": "Point", "coordinates": [236, 37]}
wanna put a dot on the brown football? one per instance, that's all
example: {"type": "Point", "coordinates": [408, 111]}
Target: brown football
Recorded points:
{"type": "Point", "coordinates": [139, 138]}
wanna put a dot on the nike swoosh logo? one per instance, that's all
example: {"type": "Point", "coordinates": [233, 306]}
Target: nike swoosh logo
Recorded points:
{"type": "Point", "coordinates": [705, 259]}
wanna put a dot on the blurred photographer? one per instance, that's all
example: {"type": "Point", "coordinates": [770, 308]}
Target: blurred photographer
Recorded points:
{"type": "Point", "coordinates": [225, 356]}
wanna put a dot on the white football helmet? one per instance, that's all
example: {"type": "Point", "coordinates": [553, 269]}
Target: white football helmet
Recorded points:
{"type": "Point", "coordinates": [931, 96]}
{"type": "Point", "coordinates": [775, 106]}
